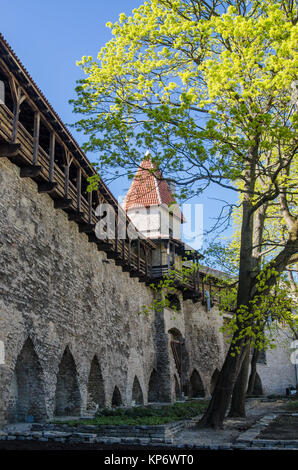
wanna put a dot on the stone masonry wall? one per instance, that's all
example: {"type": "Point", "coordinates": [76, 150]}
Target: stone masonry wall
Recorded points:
{"type": "Point", "coordinates": [57, 289]}
{"type": "Point", "coordinates": [205, 344]}
{"type": "Point", "coordinates": [278, 372]}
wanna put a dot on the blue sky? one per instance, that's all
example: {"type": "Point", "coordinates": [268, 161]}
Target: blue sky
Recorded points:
{"type": "Point", "coordinates": [49, 36]}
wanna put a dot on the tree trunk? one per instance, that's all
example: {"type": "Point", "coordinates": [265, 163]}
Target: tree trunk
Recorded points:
{"type": "Point", "coordinates": [221, 397]}
{"type": "Point", "coordinates": [239, 393]}
{"type": "Point", "coordinates": [253, 372]}
{"type": "Point", "coordinates": [215, 414]}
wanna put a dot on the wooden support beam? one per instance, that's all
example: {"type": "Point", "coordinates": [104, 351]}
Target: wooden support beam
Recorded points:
{"type": "Point", "coordinates": [76, 216]}
{"type": "Point", "coordinates": [13, 87]}
{"type": "Point", "coordinates": [116, 236]}
{"type": "Point", "coordinates": [92, 238]}
{"type": "Point", "coordinates": [146, 261]}
{"type": "Point", "coordinates": [64, 203]}
{"type": "Point", "coordinates": [15, 123]}
{"type": "Point", "coordinates": [66, 181]}
{"type": "Point", "coordinates": [139, 254]}
{"type": "Point", "coordinates": [46, 187]}
{"type": "Point", "coordinates": [203, 293]}
{"type": "Point", "coordinates": [187, 295]}
{"type": "Point", "coordinates": [120, 262]}
{"type": "Point", "coordinates": [30, 171]}
{"type": "Point", "coordinates": [9, 150]}
{"type": "Point", "coordinates": [79, 188]}
{"type": "Point", "coordinates": [195, 279]}
{"type": "Point", "coordinates": [103, 247]}
{"type": "Point", "coordinates": [18, 99]}
{"type": "Point", "coordinates": [90, 207]}
{"type": "Point", "coordinates": [134, 274]}
{"type": "Point", "coordinates": [112, 255]}
{"type": "Point", "coordinates": [36, 137]}
{"type": "Point", "coordinates": [86, 228]}
{"type": "Point", "coordinates": [123, 249]}
{"type": "Point", "coordinates": [52, 157]}
{"type": "Point", "coordinates": [125, 268]}
{"type": "Point", "coordinates": [129, 252]}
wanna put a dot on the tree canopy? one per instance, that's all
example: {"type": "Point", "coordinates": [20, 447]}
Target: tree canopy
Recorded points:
{"type": "Point", "coordinates": [196, 83]}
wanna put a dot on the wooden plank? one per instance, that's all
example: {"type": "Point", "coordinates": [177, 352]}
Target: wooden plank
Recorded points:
{"type": "Point", "coordinates": [46, 187]}
{"type": "Point", "coordinates": [30, 171]}
{"type": "Point", "coordinates": [76, 216]}
{"type": "Point", "coordinates": [129, 252]}
{"type": "Point", "coordinates": [16, 113]}
{"type": "Point", "coordinates": [123, 249]}
{"type": "Point", "coordinates": [120, 262]}
{"type": "Point", "coordinates": [66, 181]}
{"type": "Point", "coordinates": [52, 157]}
{"type": "Point", "coordinates": [36, 137]}
{"type": "Point", "coordinates": [13, 87]}
{"type": "Point", "coordinates": [9, 150]}
{"type": "Point", "coordinates": [89, 207]}
{"type": "Point", "coordinates": [93, 239]}
{"type": "Point", "coordinates": [146, 261]}
{"type": "Point", "coordinates": [86, 228]}
{"type": "Point", "coordinates": [134, 274]}
{"type": "Point", "coordinates": [62, 203]}
{"type": "Point", "coordinates": [79, 188]}
{"type": "Point", "coordinates": [139, 254]}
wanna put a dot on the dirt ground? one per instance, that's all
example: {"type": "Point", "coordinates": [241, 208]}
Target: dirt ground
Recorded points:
{"type": "Point", "coordinates": [284, 427]}
{"type": "Point", "coordinates": [232, 427]}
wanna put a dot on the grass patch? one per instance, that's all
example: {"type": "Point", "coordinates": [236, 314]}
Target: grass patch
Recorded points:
{"type": "Point", "coordinates": [145, 415]}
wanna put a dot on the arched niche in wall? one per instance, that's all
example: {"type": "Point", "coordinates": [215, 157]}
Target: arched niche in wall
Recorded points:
{"type": "Point", "coordinates": [176, 342]}
{"type": "Point", "coordinates": [68, 397]}
{"type": "Point", "coordinates": [258, 389]}
{"type": "Point", "coordinates": [137, 394]}
{"type": "Point", "coordinates": [154, 387]}
{"type": "Point", "coordinates": [116, 398]}
{"type": "Point", "coordinates": [96, 393]}
{"type": "Point", "coordinates": [196, 388]}
{"type": "Point", "coordinates": [27, 397]}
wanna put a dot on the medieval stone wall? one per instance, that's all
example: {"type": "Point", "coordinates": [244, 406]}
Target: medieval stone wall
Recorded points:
{"type": "Point", "coordinates": [70, 323]}
{"type": "Point", "coordinates": [205, 345]}
{"type": "Point", "coordinates": [61, 304]}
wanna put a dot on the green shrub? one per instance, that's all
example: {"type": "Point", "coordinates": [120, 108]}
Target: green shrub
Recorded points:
{"type": "Point", "coordinates": [145, 415]}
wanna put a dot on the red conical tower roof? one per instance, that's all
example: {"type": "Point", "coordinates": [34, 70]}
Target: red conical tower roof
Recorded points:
{"type": "Point", "coordinates": [148, 188]}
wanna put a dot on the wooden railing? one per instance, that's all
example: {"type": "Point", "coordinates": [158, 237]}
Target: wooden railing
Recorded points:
{"type": "Point", "coordinates": [187, 280]}
{"type": "Point", "coordinates": [134, 263]}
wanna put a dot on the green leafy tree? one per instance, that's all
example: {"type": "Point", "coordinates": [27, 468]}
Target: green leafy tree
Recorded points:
{"type": "Point", "coordinates": [269, 237]}
{"type": "Point", "coordinates": [207, 87]}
